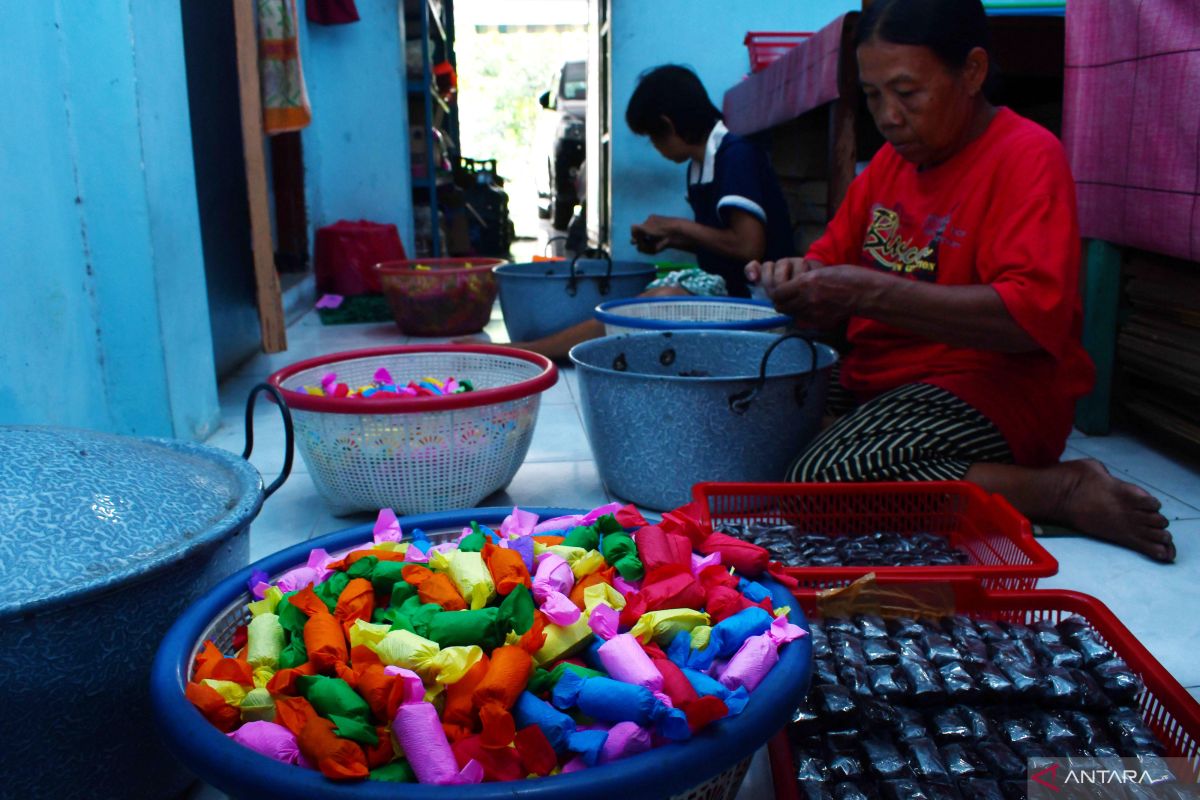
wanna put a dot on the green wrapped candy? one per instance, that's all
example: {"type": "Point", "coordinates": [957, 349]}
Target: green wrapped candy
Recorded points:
{"type": "Point", "coordinates": [331, 588]}
{"type": "Point", "coordinates": [419, 614]}
{"type": "Point", "coordinates": [257, 705]}
{"type": "Point", "coordinates": [335, 700]}
{"type": "Point", "coordinates": [587, 538]}
{"type": "Point", "coordinates": [291, 618]}
{"type": "Point", "coordinates": [363, 568]}
{"type": "Point", "coordinates": [516, 610]}
{"type": "Point", "coordinates": [394, 617]}
{"type": "Point", "coordinates": [482, 627]}
{"type": "Point", "coordinates": [394, 772]}
{"type": "Point", "coordinates": [475, 541]}
{"type": "Point", "coordinates": [608, 524]}
{"type": "Point", "coordinates": [620, 551]}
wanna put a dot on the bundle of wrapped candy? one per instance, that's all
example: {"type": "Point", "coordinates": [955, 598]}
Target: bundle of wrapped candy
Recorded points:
{"type": "Point", "coordinates": [959, 707]}
{"type": "Point", "coordinates": [790, 546]}
{"type": "Point", "coordinates": [541, 648]}
{"type": "Point", "coordinates": [384, 387]}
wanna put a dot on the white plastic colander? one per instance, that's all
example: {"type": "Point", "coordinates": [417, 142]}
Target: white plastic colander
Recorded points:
{"type": "Point", "coordinates": [422, 454]}
{"type": "Point", "coordinates": [643, 314]}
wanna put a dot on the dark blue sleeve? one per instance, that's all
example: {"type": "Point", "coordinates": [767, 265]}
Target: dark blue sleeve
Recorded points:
{"type": "Point", "coordinates": [740, 174]}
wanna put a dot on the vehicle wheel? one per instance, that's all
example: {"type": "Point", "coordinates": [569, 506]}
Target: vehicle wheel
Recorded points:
{"type": "Point", "coordinates": [564, 209]}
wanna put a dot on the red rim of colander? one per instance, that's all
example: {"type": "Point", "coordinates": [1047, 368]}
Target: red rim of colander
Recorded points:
{"type": "Point", "coordinates": [444, 266]}
{"type": "Point", "coordinates": [416, 405]}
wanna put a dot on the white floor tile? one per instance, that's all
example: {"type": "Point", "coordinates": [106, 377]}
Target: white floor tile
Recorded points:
{"type": "Point", "coordinates": [559, 436]}
{"type": "Point", "coordinates": [565, 484]}
{"type": "Point", "coordinates": [287, 517]}
{"type": "Point", "coordinates": [1172, 507]}
{"type": "Point", "coordinates": [1154, 468]}
{"type": "Point", "coordinates": [1148, 597]}
{"type": "Point", "coordinates": [1195, 692]}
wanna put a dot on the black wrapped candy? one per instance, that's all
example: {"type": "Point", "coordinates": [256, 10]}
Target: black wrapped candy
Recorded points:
{"type": "Point", "coordinates": [883, 759]}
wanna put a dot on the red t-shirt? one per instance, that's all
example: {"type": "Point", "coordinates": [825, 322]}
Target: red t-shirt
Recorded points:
{"type": "Point", "coordinates": [1000, 212]}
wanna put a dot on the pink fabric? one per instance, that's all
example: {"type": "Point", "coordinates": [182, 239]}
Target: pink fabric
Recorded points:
{"type": "Point", "coordinates": [802, 79]}
{"type": "Point", "coordinates": [1131, 122]}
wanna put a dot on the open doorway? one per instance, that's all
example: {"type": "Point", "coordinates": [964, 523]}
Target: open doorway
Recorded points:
{"type": "Point", "coordinates": [522, 93]}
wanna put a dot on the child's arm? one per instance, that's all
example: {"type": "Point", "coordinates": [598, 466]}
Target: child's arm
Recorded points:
{"type": "Point", "coordinates": [745, 239]}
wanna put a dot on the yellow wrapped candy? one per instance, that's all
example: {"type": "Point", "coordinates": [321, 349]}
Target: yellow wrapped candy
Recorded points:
{"type": "Point", "coordinates": [469, 573]}
{"type": "Point", "coordinates": [599, 593]}
{"type": "Point", "coordinates": [264, 641]}
{"type": "Point", "coordinates": [700, 636]}
{"type": "Point", "coordinates": [663, 625]}
{"type": "Point", "coordinates": [268, 604]}
{"type": "Point", "coordinates": [406, 649]}
{"type": "Point", "coordinates": [452, 663]}
{"type": "Point", "coordinates": [233, 693]}
{"type": "Point", "coordinates": [258, 705]}
{"type": "Point", "coordinates": [368, 633]}
{"type": "Point", "coordinates": [563, 640]}
{"type": "Point", "coordinates": [586, 564]}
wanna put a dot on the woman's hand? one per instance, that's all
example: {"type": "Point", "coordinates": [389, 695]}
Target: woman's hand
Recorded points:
{"type": "Point", "coordinates": [653, 235]}
{"type": "Point", "coordinates": [825, 296]}
{"type": "Point", "coordinates": [770, 274]}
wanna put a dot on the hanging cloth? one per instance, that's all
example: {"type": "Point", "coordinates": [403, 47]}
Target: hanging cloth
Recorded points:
{"type": "Point", "coordinates": [284, 98]}
{"type": "Point", "coordinates": [331, 12]}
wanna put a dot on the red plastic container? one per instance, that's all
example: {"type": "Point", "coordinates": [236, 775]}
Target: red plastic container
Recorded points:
{"type": "Point", "coordinates": [1167, 708]}
{"type": "Point", "coordinates": [996, 538]}
{"type": "Point", "coordinates": [440, 296]}
{"type": "Point", "coordinates": [767, 46]}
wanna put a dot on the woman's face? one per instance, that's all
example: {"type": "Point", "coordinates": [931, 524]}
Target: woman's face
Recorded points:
{"type": "Point", "coordinates": [920, 105]}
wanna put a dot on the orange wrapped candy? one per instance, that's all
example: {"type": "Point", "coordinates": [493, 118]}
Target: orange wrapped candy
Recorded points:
{"type": "Point", "coordinates": [284, 681]}
{"type": "Point", "coordinates": [459, 717]}
{"type": "Point", "coordinates": [294, 713]}
{"type": "Point", "coordinates": [434, 587]}
{"type": "Point", "coordinates": [356, 601]}
{"type": "Point", "coordinates": [507, 567]}
{"type": "Point", "coordinates": [213, 706]}
{"type": "Point", "coordinates": [338, 759]}
{"type": "Point", "coordinates": [212, 664]}
{"type": "Point", "coordinates": [506, 678]}
{"type": "Point", "coordinates": [599, 576]}
{"type": "Point", "coordinates": [383, 752]}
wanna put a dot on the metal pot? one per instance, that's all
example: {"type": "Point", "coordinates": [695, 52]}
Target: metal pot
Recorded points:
{"type": "Point", "coordinates": [105, 540]}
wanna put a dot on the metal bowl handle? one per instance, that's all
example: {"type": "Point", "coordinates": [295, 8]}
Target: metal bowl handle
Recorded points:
{"type": "Point", "coordinates": [740, 402]}
{"type": "Point", "coordinates": [289, 433]}
{"type": "Point", "coordinates": [591, 252]}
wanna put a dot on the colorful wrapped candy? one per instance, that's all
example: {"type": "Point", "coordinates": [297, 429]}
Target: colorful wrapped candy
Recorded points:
{"type": "Point", "coordinates": [460, 662]}
{"type": "Point", "coordinates": [382, 386]}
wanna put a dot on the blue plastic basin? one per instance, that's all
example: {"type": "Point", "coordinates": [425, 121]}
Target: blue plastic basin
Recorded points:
{"type": "Point", "coordinates": [540, 298]}
{"type": "Point", "coordinates": [667, 410]}
{"type": "Point", "coordinates": [657, 774]}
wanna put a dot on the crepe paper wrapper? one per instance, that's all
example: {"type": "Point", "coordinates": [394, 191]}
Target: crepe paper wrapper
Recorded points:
{"type": "Point", "coordinates": [589, 562]}
{"type": "Point", "coordinates": [614, 701]}
{"type": "Point", "coordinates": [268, 739]}
{"type": "Point", "coordinates": [268, 601]}
{"type": "Point", "coordinates": [578, 595]}
{"type": "Point", "coordinates": [754, 591]}
{"type": "Point", "coordinates": [729, 634]}
{"type": "Point", "coordinates": [325, 641]}
{"type": "Point", "coordinates": [625, 660]}
{"type": "Point", "coordinates": [212, 664]}
{"type": "Point", "coordinates": [625, 739]}
{"type": "Point", "coordinates": [721, 602]}
{"type": "Point", "coordinates": [543, 681]}
{"type": "Point", "coordinates": [559, 609]}
{"type": "Point", "coordinates": [717, 575]}
{"type": "Point", "coordinates": [602, 594]}
{"type": "Point", "coordinates": [563, 640]}
{"type": "Point", "coordinates": [706, 686]}
{"type": "Point", "coordinates": [553, 574]}
{"type": "Point", "coordinates": [747, 558]}
{"type": "Point", "coordinates": [569, 521]}
{"type": "Point", "coordinates": [338, 759]}
{"type": "Point", "coordinates": [258, 583]}
{"type": "Point", "coordinates": [536, 754]}
{"type": "Point", "coordinates": [657, 548]}
{"type": "Point", "coordinates": [257, 706]}
{"type": "Point", "coordinates": [604, 621]}
{"type": "Point", "coordinates": [524, 547]}
{"type": "Point", "coordinates": [663, 626]}
{"type": "Point", "coordinates": [672, 587]}
{"type": "Point", "coordinates": [701, 563]}
{"type": "Point", "coordinates": [209, 702]}
{"type": "Point", "coordinates": [498, 763]}
{"type": "Point", "coordinates": [313, 572]}
{"type": "Point", "coordinates": [473, 541]}
{"type": "Point", "coordinates": [265, 639]}
{"type": "Point", "coordinates": [686, 521]}
{"type": "Point", "coordinates": [507, 568]}
{"type": "Point", "coordinates": [470, 576]}
{"type": "Point", "coordinates": [337, 701]}
{"type": "Point", "coordinates": [232, 693]}
{"type": "Point", "coordinates": [506, 678]}
{"type": "Point", "coordinates": [379, 689]}
{"type": "Point", "coordinates": [518, 523]}
{"type": "Point", "coordinates": [419, 732]}
{"type": "Point", "coordinates": [585, 537]}
{"type": "Point", "coordinates": [460, 717]}
{"type": "Point", "coordinates": [575, 765]}
{"type": "Point", "coordinates": [529, 709]}
{"type": "Point", "coordinates": [621, 552]}
{"type": "Point", "coordinates": [435, 587]}
{"type": "Point", "coordinates": [356, 601]}
{"type": "Point", "coordinates": [395, 772]}
{"type": "Point", "coordinates": [380, 753]}
{"type": "Point", "coordinates": [482, 627]}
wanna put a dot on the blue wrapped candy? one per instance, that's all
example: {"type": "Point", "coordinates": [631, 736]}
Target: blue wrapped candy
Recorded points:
{"type": "Point", "coordinates": [614, 701]}
{"type": "Point", "coordinates": [728, 635]}
{"type": "Point", "coordinates": [734, 700]}
{"type": "Point", "coordinates": [558, 727]}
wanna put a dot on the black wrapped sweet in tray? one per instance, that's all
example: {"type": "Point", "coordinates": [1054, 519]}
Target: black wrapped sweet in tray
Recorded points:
{"type": "Point", "coordinates": [793, 548]}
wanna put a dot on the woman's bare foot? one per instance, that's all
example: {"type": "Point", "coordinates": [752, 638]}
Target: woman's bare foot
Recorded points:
{"type": "Point", "coordinates": [1096, 503]}
{"type": "Point", "coordinates": [1083, 495]}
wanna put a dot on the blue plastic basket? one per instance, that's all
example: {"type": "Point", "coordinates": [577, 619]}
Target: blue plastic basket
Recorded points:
{"type": "Point", "coordinates": [709, 766]}
{"type": "Point", "coordinates": [643, 314]}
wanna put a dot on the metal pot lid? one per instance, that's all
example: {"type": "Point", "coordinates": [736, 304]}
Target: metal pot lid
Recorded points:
{"type": "Point", "coordinates": [83, 512]}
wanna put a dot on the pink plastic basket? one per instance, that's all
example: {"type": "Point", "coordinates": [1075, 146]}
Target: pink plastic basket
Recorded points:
{"type": "Point", "coordinates": [767, 46]}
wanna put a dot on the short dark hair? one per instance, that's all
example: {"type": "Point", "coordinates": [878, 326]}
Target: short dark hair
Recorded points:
{"type": "Point", "coordinates": [950, 28]}
{"type": "Point", "coordinates": [676, 93]}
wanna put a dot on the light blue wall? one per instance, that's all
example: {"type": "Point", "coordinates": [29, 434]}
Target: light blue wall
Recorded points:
{"type": "Point", "coordinates": [707, 36]}
{"type": "Point", "coordinates": [356, 149]}
{"type": "Point", "coordinates": [105, 323]}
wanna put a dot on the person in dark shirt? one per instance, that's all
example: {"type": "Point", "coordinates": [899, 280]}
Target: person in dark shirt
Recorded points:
{"type": "Point", "coordinates": [740, 214]}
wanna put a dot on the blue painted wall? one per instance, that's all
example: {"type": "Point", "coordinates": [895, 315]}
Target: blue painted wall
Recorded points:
{"type": "Point", "coordinates": [356, 149]}
{"type": "Point", "coordinates": [707, 36]}
{"type": "Point", "coordinates": [105, 323]}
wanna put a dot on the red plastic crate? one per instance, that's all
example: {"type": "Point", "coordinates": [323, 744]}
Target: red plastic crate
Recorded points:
{"type": "Point", "coordinates": [996, 538]}
{"type": "Point", "coordinates": [767, 46]}
{"type": "Point", "coordinates": [1167, 708]}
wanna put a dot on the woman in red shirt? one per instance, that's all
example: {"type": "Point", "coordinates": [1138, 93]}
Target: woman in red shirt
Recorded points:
{"type": "Point", "coordinates": [954, 261]}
